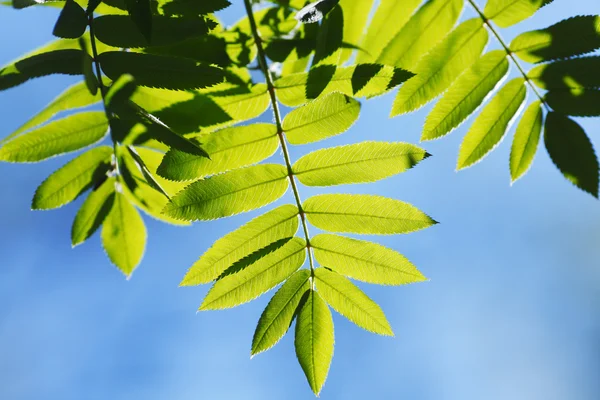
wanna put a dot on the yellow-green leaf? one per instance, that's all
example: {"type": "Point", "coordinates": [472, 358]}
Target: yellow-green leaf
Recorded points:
{"type": "Point", "coordinates": [357, 163]}
{"type": "Point", "coordinates": [506, 13]}
{"type": "Point", "coordinates": [314, 340]}
{"type": "Point", "coordinates": [257, 278]}
{"type": "Point", "coordinates": [279, 313]}
{"type": "Point", "coordinates": [62, 136]}
{"type": "Point", "coordinates": [320, 119]}
{"type": "Point", "coordinates": [228, 194]}
{"type": "Point", "coordinates": [364, 261]}
{"type": "Point", "coordinates": [364, 214]}
{"type": "Point", "coordinates": [525, 142]}
{"type": "Point", "coordinates": [70, 181]}
{"type": "Point", "coordinates": [344, 297]}
{"type": "Point", "coordinates": [124, 235]}
{"type": "Point", "coordinates": [93, 212]}
{"type": "Point", "coordinates": [492, 123]}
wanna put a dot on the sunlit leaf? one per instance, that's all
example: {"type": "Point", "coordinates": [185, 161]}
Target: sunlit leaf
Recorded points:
{"type": "Point", "coordinates": [93, 212]}
{"type": "Point", "coordinates": [315, 11]}
{"type": "Point", "coordinates": [492, 123]}
{"type": "Point", "coordinates": [525, 142]}
{"type": "Point", "coordinates": [257, 278]}
{"type": "Point", "coordinates": [364, 261]}
{"type": "Point", "coordinates": [357, 163]}
{"type": "Point", "coordinates": [344, 297]}
{"type": "Point", "coordinates": [509, 12]}
{"type": "Point", "coordinates": [364, 214]}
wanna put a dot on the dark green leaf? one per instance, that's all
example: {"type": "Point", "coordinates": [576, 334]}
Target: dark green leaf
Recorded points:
{"type": "Point", "coordinates": [72, 21]}
{"type": "Point", "coordinates": [194, 7]}
{"type": "Point", "coordinates": [140, 13]}
{"type": "Point", "coordinates": [576, 102]}
{"type": "Point", "coordinates": [568, 74]}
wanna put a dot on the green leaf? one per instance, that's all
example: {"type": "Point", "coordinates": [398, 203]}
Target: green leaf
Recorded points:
{"type": "Point", "coordinates": [576, 102]}
{"type": "Point", "coordinates": [70, 181]}
{"type": "Point", "coordinates": [316, 11]}
{"type": "Point", "coordinates": [194, 7]}
{"type": "Point", "coordinates": [465, 95]}
{"type": "Point", "coordinates": [67, 62]}
{"type": "Point", "coordinates": [437, 70]}
{"type": "Point", "coordinates": [357, 163]}
{"type": "Point", "coordinates": [363, 80]}
{"type": "Point", "coordinates": [345, 298]}
{"type": "Point", "coordinates": [567, 38]}
{"type": "Point", "coordinates": [329, 38]}
{"type": "Point", "coordinates": [140, 12]}
{"type": "Point", "coordinates": [422, 32]}
{"type": "Point", "coordinates": [525, 142]}
{"type": "Point", "coordinates": [257, 278]}
{"type": "Point", "coordinates": [89, 76]}
{"type": "Point", "coordinates": [506, 13]}
{"type": "Point", "coordinates": [492, 123]}
{"type": "Point", "coordinates": [320, 119]}
{"type": "Point", "coordinates": [124, 235]}
{"type": "Point", "coordinates": [314, 340]}
{"type": "Point", "coordinates": [364, 261]}
{"type": "Point", "coordinates": [280, 312]}
{"type": "Point", "coordinates": [228, 194]}
{"type": "Point", "coordinates": [572, 152]}
{"type": "Point", "coordinates": [160, 71]}
{"type": "Point", "coordinates": [72, 21]}
{"type": "Point", "coordinates": [58, 137]}
{"type": "Point", "coordinates": [575, 73]}
{"type": "Point", "coordinates": [229, 149]}
{"type": "Point", "coordinates": [139, 191]}
{"type": "Point", "coordinates": [93, 212]}
{"type": "Point", "coordinates": [356, 14]}
{"type": "Point", "coordinates": [262, 231]}
{"type": "Point", "coordinates": [121, 31]}
{"type": "Point", "coordinates": [149, 176]}
{"type": "Point", "coordinates": [390, 17]}
{"type": "Point", "coordinates": [74, 97]}
{"type": "Point", "coordinates": [364, 214]}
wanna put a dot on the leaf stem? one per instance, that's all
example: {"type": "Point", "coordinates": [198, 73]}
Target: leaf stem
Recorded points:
{"type": "Point", "coordinates": [508, 51]}
{"type": "Point", "coordinates": [264, 66]}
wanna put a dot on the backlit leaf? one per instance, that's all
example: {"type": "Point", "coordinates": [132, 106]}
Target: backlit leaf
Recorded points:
{"type": "Point", "coordinates": [525, 142]}
{"type": "Point", "coordinates": [124, 235]}
{"type": "Point", "coordinates": [344, 297]}
{"type": "Point", "coordinates": [93, 212]}
{"type": "Point", "coordinates": [364, 261]}
{"type": "Point", "coordinates": [314, 340]}
{"type": "Point", "coordinates": [70, 181]}
{"type": "Point", "coordinates": [320, 119]}
{"type": "Point", "coordinates": [492, 123]}
{"type": "Point", "coordinates": [228, 194]}
{"type": "Point", "coordinates": [357, 163]}
{"type": "Point", "coordinates": [315, 11]}
{"type": "Point", "coordinates": [572, 152]}
{"type": "Point", "coordinates": [228, 148]}
{"type": "Point", "coordinates": [506, 13]}
{"type": "Point", "coordinates": [568, 74]}
{"type": "Point", "coordinates": [58, 137]}
{"type": "Point", "coordinates": [576, 102]}
{"type": "Point", "coordinates": [279, 313]}
{"type": "Point", "coordinates": [257, 278]}
{"type": "Point", "coordinates": [364, 214]}
{"type": "Point", "coordinates": [262, 231]}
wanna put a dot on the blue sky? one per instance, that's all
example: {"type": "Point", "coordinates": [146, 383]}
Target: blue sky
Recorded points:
{"type": "Point", "coordinates": [510, 311]}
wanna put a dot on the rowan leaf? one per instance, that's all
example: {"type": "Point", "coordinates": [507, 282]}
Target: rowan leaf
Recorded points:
{"type": "Point", "coordinates": [325, 117]}
{"type": "Point", "coordinates": [557, 41]}
{"type": "Point", "coordinates": [194, 7]}
{"type": "Point", "coordinates": [160, 71]}
{"type": "Point", "coordinates": [492, 123]}
{"type": "Point", "coordinates": [314, 340]}
{"type": "Point", "coordinates": [280, 312]}
{"type": "Point", "coordinates": [257, 278]}
{"type": "Point", "coordinates": [124, 235]}
{"type": "Point", "coordinates": [439, 69]}
{"type": "Point", "coordinates": [575, 73]}
{"type": "Point", "coordinates": [58, 137]}
{"type": "Point", "coordinates": [572, 152]}
{"type": "Point", "coordinates": [351, 302]}
{"type": "Point", "coordinates": [364, 261]}
{"type": "Point", "coordinates": [356, 14]}
{"type": "Point", "coordinates": [430, 24]}
{"type": "Point", "coordinates": [315, 11]}
{"type": "Point", "coordinates": [465, 95]}
{"type": "Point", "coordinates": [229, 149]}
{"type": "Point", "coordinates": [93, 212]}
{"type": "Point", "coordinates": [357, 163]}
{"type": "Point", "coordinates": [72, 21]}
{"type": "Point", "coordinates": [257, 234]}
{"type": "Point", "coordinates": [70, 181]}
{"type": "Point", "coordinates": [140, 12]}
{"type": "Point", "coordinates": [506, 13]}
{"type": "Point", "coordinates": [228, 194]}
{"type": "Point", "coordinates": [364, 214]}
{"type": "Point", "coordinates": [576, 102]}
{"type": "Point", "coordinates": [525, 142]}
